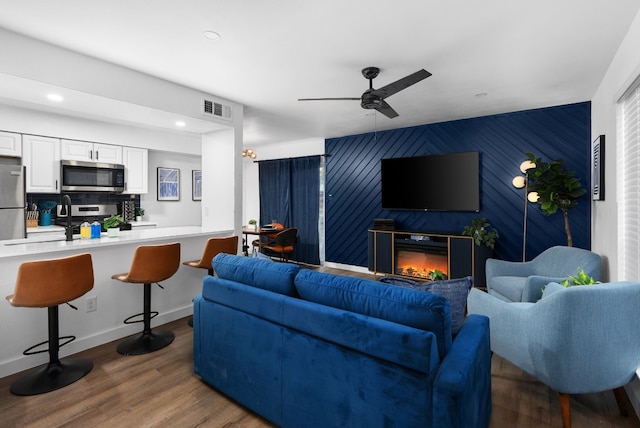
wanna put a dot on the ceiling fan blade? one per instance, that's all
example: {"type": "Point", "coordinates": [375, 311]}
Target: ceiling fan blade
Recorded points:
{"type": "Point", "coordinates": [327, 99]}
{"type": "Point", "coordinates": [386, 109]}
{"type": "Point", "coordinates": [398, 85]}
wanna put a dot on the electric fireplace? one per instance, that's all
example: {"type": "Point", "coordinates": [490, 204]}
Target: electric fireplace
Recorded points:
{"type": "Point", "coordinates": [419, 258]}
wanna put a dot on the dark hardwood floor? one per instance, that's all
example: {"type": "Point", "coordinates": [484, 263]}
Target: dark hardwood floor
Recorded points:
{"type": "Point", "coordinates": [160, 390]}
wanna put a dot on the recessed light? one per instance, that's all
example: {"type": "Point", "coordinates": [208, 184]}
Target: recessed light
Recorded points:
{"type": "Point", "coordinates": [180, 124]}
{"type": "Point", "coordinates": [55, 97]}
{"type": "Point", "coordinates": [211, 35]}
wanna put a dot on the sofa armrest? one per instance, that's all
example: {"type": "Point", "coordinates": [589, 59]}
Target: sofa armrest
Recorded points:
{"type": "Point", "coordinates": [462, 388]}
{"type": "Point", "coordinates": [534, 286]}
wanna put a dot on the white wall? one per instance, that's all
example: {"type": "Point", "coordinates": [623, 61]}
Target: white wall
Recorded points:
{"type": "Point", "coordinates": [221, 175]}
{"type": "Point", "coordinates": [622, 71]}
{"type": "Point", "coordinates": [186, 211]}
{"type": "Point", "coordinates": [272, 151]}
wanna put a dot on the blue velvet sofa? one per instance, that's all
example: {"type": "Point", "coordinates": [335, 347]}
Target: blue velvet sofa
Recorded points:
{"type": "Point", "coordinates": [309, 349]}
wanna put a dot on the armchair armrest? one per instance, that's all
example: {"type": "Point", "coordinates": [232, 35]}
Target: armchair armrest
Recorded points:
{"type": "Point", "coordinates": [510, 324]}
{"type": "Point", "coordinates": [495, 267]}
{"type": "Point", "coordinates": [462, 388]}
{"type": "Point", "coordinates": [535, 285]}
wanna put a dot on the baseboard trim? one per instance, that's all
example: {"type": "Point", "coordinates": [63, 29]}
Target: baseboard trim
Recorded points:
{"type": "Point", "coordinates": [25, 362]}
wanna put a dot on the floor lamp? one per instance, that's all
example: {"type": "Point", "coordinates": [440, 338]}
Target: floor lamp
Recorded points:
{"type": "Point", "coordinates": [519, 182]}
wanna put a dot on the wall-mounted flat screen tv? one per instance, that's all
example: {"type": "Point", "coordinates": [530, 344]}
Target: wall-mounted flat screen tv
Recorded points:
{"type": "Point", "coordinates": [442, 182]}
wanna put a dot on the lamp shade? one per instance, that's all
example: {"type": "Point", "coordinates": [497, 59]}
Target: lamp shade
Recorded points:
{"type": "Point", "coordinates": [533, 196]}
{"type": "Point", "coordinates": [526, 165]}
{"type": "Point", "coordinates": [518, 181]}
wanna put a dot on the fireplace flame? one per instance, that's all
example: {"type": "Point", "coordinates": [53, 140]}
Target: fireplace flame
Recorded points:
{"type": "Point", "coordinates": [420, 264]}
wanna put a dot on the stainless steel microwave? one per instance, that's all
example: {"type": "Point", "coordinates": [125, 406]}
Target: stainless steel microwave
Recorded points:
{"type": "Point", "coordinates": [78, 176]}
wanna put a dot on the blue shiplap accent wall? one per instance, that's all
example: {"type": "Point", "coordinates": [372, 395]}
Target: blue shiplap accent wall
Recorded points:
{"type": "Point", "coordinates": [353, 179]}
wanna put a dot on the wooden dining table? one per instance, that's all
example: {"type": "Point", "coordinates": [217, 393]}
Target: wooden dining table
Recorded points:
{"type": "Point", "coordinates": [258, 231]}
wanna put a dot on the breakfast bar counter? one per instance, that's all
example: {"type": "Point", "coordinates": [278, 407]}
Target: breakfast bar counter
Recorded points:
{"type": "Point", "coordinates": [24, 327]}
{"type": "Point", "coordinates": [58, 244]}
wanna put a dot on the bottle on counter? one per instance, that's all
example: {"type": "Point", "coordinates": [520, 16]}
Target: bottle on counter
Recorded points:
{"type": "Point", "coordinates": [95, 229]}
{"type": "Point", "coordinates": [85, 230]}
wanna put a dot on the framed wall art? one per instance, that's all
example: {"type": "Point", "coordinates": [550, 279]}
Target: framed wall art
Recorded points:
{"type": "Point", "coordinates": [597, 169]}
{"type": "Point", "coordinates": [168, 184]}
{"type": "Point", "coordinates": [196, 185]}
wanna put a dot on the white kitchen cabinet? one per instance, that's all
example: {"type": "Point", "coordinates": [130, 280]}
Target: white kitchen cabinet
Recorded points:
{"type": "Point", "coordinates": [10, 144]}
{"type": "Point", "coordinates": [136, 170]}
{"type": "Point", "coordinates": [41, 157]}
{"type": "Point", "coordinates": [90, 152]}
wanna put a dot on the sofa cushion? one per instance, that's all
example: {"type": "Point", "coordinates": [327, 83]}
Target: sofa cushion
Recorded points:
{"type": "Point", "coordinates": [510, 287]}
{"type": "Point", "coordinates": [454, 290]}
{"type": "Point", "coordinates": [426, 311]}
{"type": "Point", "coordinates": [265, 274]}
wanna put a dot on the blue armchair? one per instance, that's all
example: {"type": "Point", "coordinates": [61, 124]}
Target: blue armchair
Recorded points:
{"type": "Point", "coordinates": [524, 281]}
{"type": "Point", "coordinates": [576, 340]}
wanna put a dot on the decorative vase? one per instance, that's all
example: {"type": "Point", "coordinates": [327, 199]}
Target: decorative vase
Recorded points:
{"type": "Point", "coordinates": [113, 232]}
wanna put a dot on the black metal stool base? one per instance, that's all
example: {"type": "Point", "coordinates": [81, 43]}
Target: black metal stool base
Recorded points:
{"type": "Point", "coordinates": [144, 343]}
{"type": "Point", "coordinates": [50, 377]}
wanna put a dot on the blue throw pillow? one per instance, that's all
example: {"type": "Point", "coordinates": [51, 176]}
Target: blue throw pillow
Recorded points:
{"type": "Point", "coordinates": [454, 290]}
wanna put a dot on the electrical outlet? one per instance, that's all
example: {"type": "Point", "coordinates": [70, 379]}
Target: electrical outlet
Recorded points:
{"type": "Point", "coordinates": [92, 304]}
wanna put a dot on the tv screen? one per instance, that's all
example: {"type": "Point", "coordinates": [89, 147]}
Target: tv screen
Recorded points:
{"type": "Point", "coordinates": [444, 182]}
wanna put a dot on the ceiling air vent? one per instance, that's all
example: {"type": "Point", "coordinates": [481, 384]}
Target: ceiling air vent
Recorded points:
{"type": "Point", "coordinates": [212, 108]}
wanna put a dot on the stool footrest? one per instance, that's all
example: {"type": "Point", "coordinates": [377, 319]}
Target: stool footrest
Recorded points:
{"type": "Point", "coordinates": [30, 351]}
{"type": "Point", "coordinates": [51, 376]}
{"type": "Point", "coordinates": [152, 315]}
{"type": "Point", "coordinates": [144, 343]}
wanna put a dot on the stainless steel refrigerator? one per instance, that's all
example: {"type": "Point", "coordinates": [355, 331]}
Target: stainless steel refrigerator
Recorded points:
{"type": "Point", "coordinates": [12, 202]}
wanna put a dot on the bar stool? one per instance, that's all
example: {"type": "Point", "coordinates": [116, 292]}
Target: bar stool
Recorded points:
{"type": "Point", "coordinates": [47, 284]}
{"type": "Point", "coordinates": [213, 247]}
{"type": "Point", "coordinates": [151, 264]}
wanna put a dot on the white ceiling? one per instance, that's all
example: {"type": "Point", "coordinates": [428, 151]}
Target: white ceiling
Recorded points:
{"type": "Point", "coordinates": [522, 54]}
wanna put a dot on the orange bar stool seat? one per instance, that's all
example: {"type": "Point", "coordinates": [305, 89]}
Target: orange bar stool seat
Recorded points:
{"type": "Point", "coordinates": [212, 248]}
{"type": "Point", "coordinates": [150, 264]}
{"type": "Point", "coordinates": [47, 284]}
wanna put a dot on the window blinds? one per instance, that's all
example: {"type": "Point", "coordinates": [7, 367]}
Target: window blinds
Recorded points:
{"type": "Point", "coordinates": [629, 203]}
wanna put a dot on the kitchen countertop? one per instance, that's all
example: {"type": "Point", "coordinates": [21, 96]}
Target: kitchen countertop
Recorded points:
{"type": "Point", "coordinates": [53, 244]}
{"type": "Point", "coordinates": [45, 229]}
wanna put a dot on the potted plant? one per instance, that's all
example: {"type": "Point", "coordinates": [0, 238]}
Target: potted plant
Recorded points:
{"type": "Point", "coordinates": [253, 224]}
{"type": "Point", "coordinates": [482, 232]}
{"type": "Point", "coordinates": [557, 189]}
{"type": "Point", "coordinates": [582, 278]}
{"type": "Point", "coordinates": [139, 214]}
{"type": "Point", "coordinates": [437, 275]}
{"type": "Point", "coordinates": [484, 237]}
{"type": "Point", "coordinates": [112, 224]}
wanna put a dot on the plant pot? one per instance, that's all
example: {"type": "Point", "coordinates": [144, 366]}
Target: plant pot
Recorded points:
{"type": "Point", "coordinates": [138, 218]}
{"type": "Point", "coordinates": [113, 232]}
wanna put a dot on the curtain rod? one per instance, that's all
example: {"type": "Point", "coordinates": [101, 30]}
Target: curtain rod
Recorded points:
{"type": "Point", "coordinates": [326, 155]}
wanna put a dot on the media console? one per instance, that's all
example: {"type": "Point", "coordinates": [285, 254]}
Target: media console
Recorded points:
{"type": "Point", "coordinates": [416, 254]}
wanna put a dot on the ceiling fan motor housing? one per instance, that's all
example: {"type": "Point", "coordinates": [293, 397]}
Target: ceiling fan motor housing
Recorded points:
{"type": "Point", "coordinates": [370, 101]}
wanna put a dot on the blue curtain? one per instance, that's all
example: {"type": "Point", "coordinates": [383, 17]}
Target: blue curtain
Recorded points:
{"type": "Point", "coordinates": [290, 194]}
{"type": "Point", "coordinates": [275, 200]}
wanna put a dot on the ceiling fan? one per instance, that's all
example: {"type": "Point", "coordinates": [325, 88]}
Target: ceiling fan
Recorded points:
{"type": "Point", "coordinates": [374, 98]}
